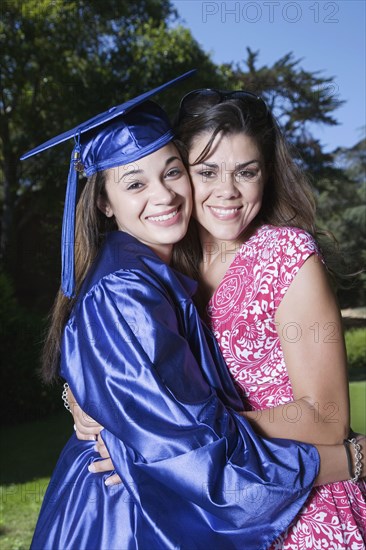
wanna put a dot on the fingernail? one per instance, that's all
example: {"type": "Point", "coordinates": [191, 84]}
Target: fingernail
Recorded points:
{"type": "Point", "coordinates": [92, 438]}
{"type": "Point", "coordinates": [95, 448]}
{"type": "Point", "coordinates": [91, 468]}
{"type": "Point", "coordinates": [108, 481]}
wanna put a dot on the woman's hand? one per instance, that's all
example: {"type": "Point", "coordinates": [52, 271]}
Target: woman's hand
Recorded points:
{"type": "Point", "coordinates": [103, 466]}
{"type": "Point", "coordinates": [88, 429]}
{"type": "Point", "coordinates": [85, 427]}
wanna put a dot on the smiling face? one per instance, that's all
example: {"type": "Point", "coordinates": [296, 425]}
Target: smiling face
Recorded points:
{"type": "Point", "coordinates": [227, 186]}
{"type": "Point", "coordinates": [150, 199]}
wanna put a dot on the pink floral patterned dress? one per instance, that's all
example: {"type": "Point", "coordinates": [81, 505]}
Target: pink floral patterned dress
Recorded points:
{"type": "Point", "coordinates": [241, 314]}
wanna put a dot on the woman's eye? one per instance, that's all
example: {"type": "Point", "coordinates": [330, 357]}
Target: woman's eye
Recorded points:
{"type": "Point", "coordinates": [135, 185]}
{"type": "Point", "coordinates": [247, 174]}
{"type": "Point", "coordinates": [207, 174]}
{"type": "Point", "coordinates": [173, 173]}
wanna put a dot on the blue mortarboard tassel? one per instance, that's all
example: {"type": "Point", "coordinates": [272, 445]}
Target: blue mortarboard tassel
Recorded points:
{"type": "Point", "coordinates": [68, 224]}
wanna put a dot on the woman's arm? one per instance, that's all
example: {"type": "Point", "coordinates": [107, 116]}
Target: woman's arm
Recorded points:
{"type": "Point", "coordinates": [310, 329]}
{"type": "Point", "coordinates": [333, 458]}
{"type": "Point", "coordinates": [333, 463]}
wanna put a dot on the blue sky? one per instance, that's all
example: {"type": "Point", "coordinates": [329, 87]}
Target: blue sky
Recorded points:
{"type": "Point", "coordinates": [327, 36]}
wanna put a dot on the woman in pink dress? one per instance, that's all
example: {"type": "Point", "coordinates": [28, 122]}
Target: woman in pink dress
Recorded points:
{"type": "Point", "coordinates": [265, 293]}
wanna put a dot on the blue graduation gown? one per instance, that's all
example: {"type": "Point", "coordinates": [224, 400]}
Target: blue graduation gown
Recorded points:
{"type": "Point", "coordinates": [195, 476]}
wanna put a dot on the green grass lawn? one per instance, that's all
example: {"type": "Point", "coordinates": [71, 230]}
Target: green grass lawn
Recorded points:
{"type": "Point", "coordinates": [358, 406]}
{"type": "Point", "coordinates": [31, 454]}
{"type": "Point", "coordinates": [20, 504]}
{"type": "Point", "coordinates": [32, 451]}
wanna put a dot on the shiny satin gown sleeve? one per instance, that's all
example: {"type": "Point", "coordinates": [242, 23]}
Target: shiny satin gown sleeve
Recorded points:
{"type": "Point", "coordinates": [194, 468]}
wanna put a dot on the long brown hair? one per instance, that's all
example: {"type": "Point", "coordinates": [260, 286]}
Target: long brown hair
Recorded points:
{"type": "Point", "coordinates": [90, 228]}
{"type": "Point", "coordinates": [287, 200]}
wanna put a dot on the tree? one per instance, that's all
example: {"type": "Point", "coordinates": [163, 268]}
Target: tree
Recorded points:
{"type": "Point", "coordinates": [55, 57]}
{"type": "Point", "coordinates": [298, 98]}
{"type": "Point", "coordinates": [63, 62]}
{"type": "Point", "coordinates": [342, 210]}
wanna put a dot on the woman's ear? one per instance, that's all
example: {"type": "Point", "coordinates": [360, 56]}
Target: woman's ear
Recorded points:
{"type": "Point", "coordinates": [104, 206]}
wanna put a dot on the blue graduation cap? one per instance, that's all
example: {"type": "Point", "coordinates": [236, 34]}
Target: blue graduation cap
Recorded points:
{"type": "Point", "coordinates": [119, 136]}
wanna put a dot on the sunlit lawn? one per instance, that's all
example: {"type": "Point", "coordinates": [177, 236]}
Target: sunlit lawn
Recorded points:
{"type": "Point", "coordinates": [32, 451]}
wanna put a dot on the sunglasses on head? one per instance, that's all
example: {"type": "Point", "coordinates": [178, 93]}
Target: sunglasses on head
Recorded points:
{"type": "Point", "coordinates": [198, 101]}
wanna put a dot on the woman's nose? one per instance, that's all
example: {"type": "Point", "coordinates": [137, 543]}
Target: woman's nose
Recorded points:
{"type": "Point", "coordinates": [226, 187]}
{"type": "Point", "coordinates": [161, 193]}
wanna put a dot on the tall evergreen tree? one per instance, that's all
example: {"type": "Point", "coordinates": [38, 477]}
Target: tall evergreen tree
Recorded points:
{"type": "Point", "coordinates": [298, 98]}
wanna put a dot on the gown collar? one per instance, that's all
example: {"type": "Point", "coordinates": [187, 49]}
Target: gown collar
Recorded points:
{"type": "Point", "coordinates": [121, 250]}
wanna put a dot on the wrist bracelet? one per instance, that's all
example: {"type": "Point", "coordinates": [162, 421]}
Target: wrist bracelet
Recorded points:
{"type": "Point", "coordinates": [64, 397]}
{"type": "Point", "coordinates": [348, 455]}
{"type": "Point", "coordinates": [354, 475]}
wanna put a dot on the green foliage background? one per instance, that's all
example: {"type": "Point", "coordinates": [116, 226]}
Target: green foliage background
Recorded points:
{"type": "Point", "coordinates": [356, 353]}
